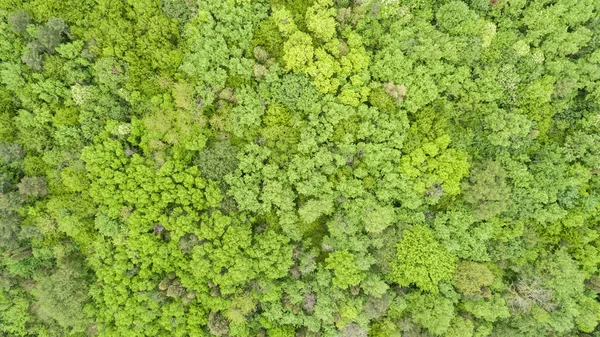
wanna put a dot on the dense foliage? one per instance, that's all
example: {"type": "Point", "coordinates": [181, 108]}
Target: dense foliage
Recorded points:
{"type": "Point", "coordinates": [300, 168]}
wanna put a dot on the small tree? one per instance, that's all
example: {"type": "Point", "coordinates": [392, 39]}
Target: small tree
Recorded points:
{"type": "Point", "coordinates": [18, 21]}
{"type": "Point", "coordinates": [488, 190]}
{"type": "Point", "coordinates": [344, 268]}
{"type": "Point", "coordinates": [51, 34]}
{"type": "Point", "coordinates": [471, 277]}
{"type": "Point", "coordinates": [218, 324]}
{"type": "Point", "coordinates": [10, 152]}
{"type": "Point", "coordinates": [63, 295]}
{"type": "Point", "coordinates": [33, 186]}
{"type": "Point", "coordinates": [422, 261]}
{"type": "Point", "coordinates": [431, 311]}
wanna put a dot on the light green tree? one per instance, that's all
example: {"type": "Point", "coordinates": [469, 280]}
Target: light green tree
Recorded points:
{"type": "Point", "coordinates": [421, 260]}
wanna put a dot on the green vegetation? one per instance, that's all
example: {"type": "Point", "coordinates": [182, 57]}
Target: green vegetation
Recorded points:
{"type": "Point", "coordinates": [306, 168]}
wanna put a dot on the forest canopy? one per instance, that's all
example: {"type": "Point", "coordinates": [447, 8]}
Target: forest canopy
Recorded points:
{"type": "Point", "coordinates": [300, 168]}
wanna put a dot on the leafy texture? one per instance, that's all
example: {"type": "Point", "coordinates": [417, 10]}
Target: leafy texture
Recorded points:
{"type": "Point", "coordinates": [305, 168]}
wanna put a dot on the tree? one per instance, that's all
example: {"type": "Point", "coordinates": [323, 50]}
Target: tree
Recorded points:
{"type": "Point", "coordinates": [346, 272]}
{"type": "Point", "coordinates": [298, 51]}
{"type": "Point", "coordinates": [378, 218]}
{"type": "Point", "coordinates": [455, 17]}
{"type": "Point", "coordinates": [460, 327]}
{"type": "Point", "coordinates": [491, 309]}
{"type": "Point", "coordinates": [51, 34]}
{"type": "Point", "coordinates": [33, 186]}
{"type": "Point", "coordinates": [320, 19]}
{"type": "Point", "coordinates": [471, 278]}
{"type": "Point", "coordinates": [62, 295]}
{"type": "Point", "coordinates": [421, 260]}
{"type": "Point", "coordinates": [487, 190]}
{"type": "Point", "coordinates": [217, 324]}
{"type": "Point", "coordinates": [19, 20]}
{"type": "Point", "coordinates": [431, 311]}
{"type": "Point", "coordinates": [218, 159]}
{"type": "Point", "coordinates": [179, 9]}
{"type": "Point", "coordinates": [507, 129]}
{"type": "Point", "coordinates": [32, 56]}
{"type": "Point", "coordinates": [111, 72]}
{"type": "Point", "coordinates": [11, 220]}
{"type": "Point", "coordinates": [353, 330]}
{"type": "Point", "coordinates": [11, 152]}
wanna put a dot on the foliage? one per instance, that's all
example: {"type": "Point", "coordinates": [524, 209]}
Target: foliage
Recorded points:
{"type": "Point", "coordinates": [62, 296]}
{"type": "Point", "coordinates": [345, 270]}
{"type": "Point", "coordinates": [422, 261]}
{"type": "Point", "coordinates": [471, 278]}
{"type": "Point", "coordinates": [301, 168]}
